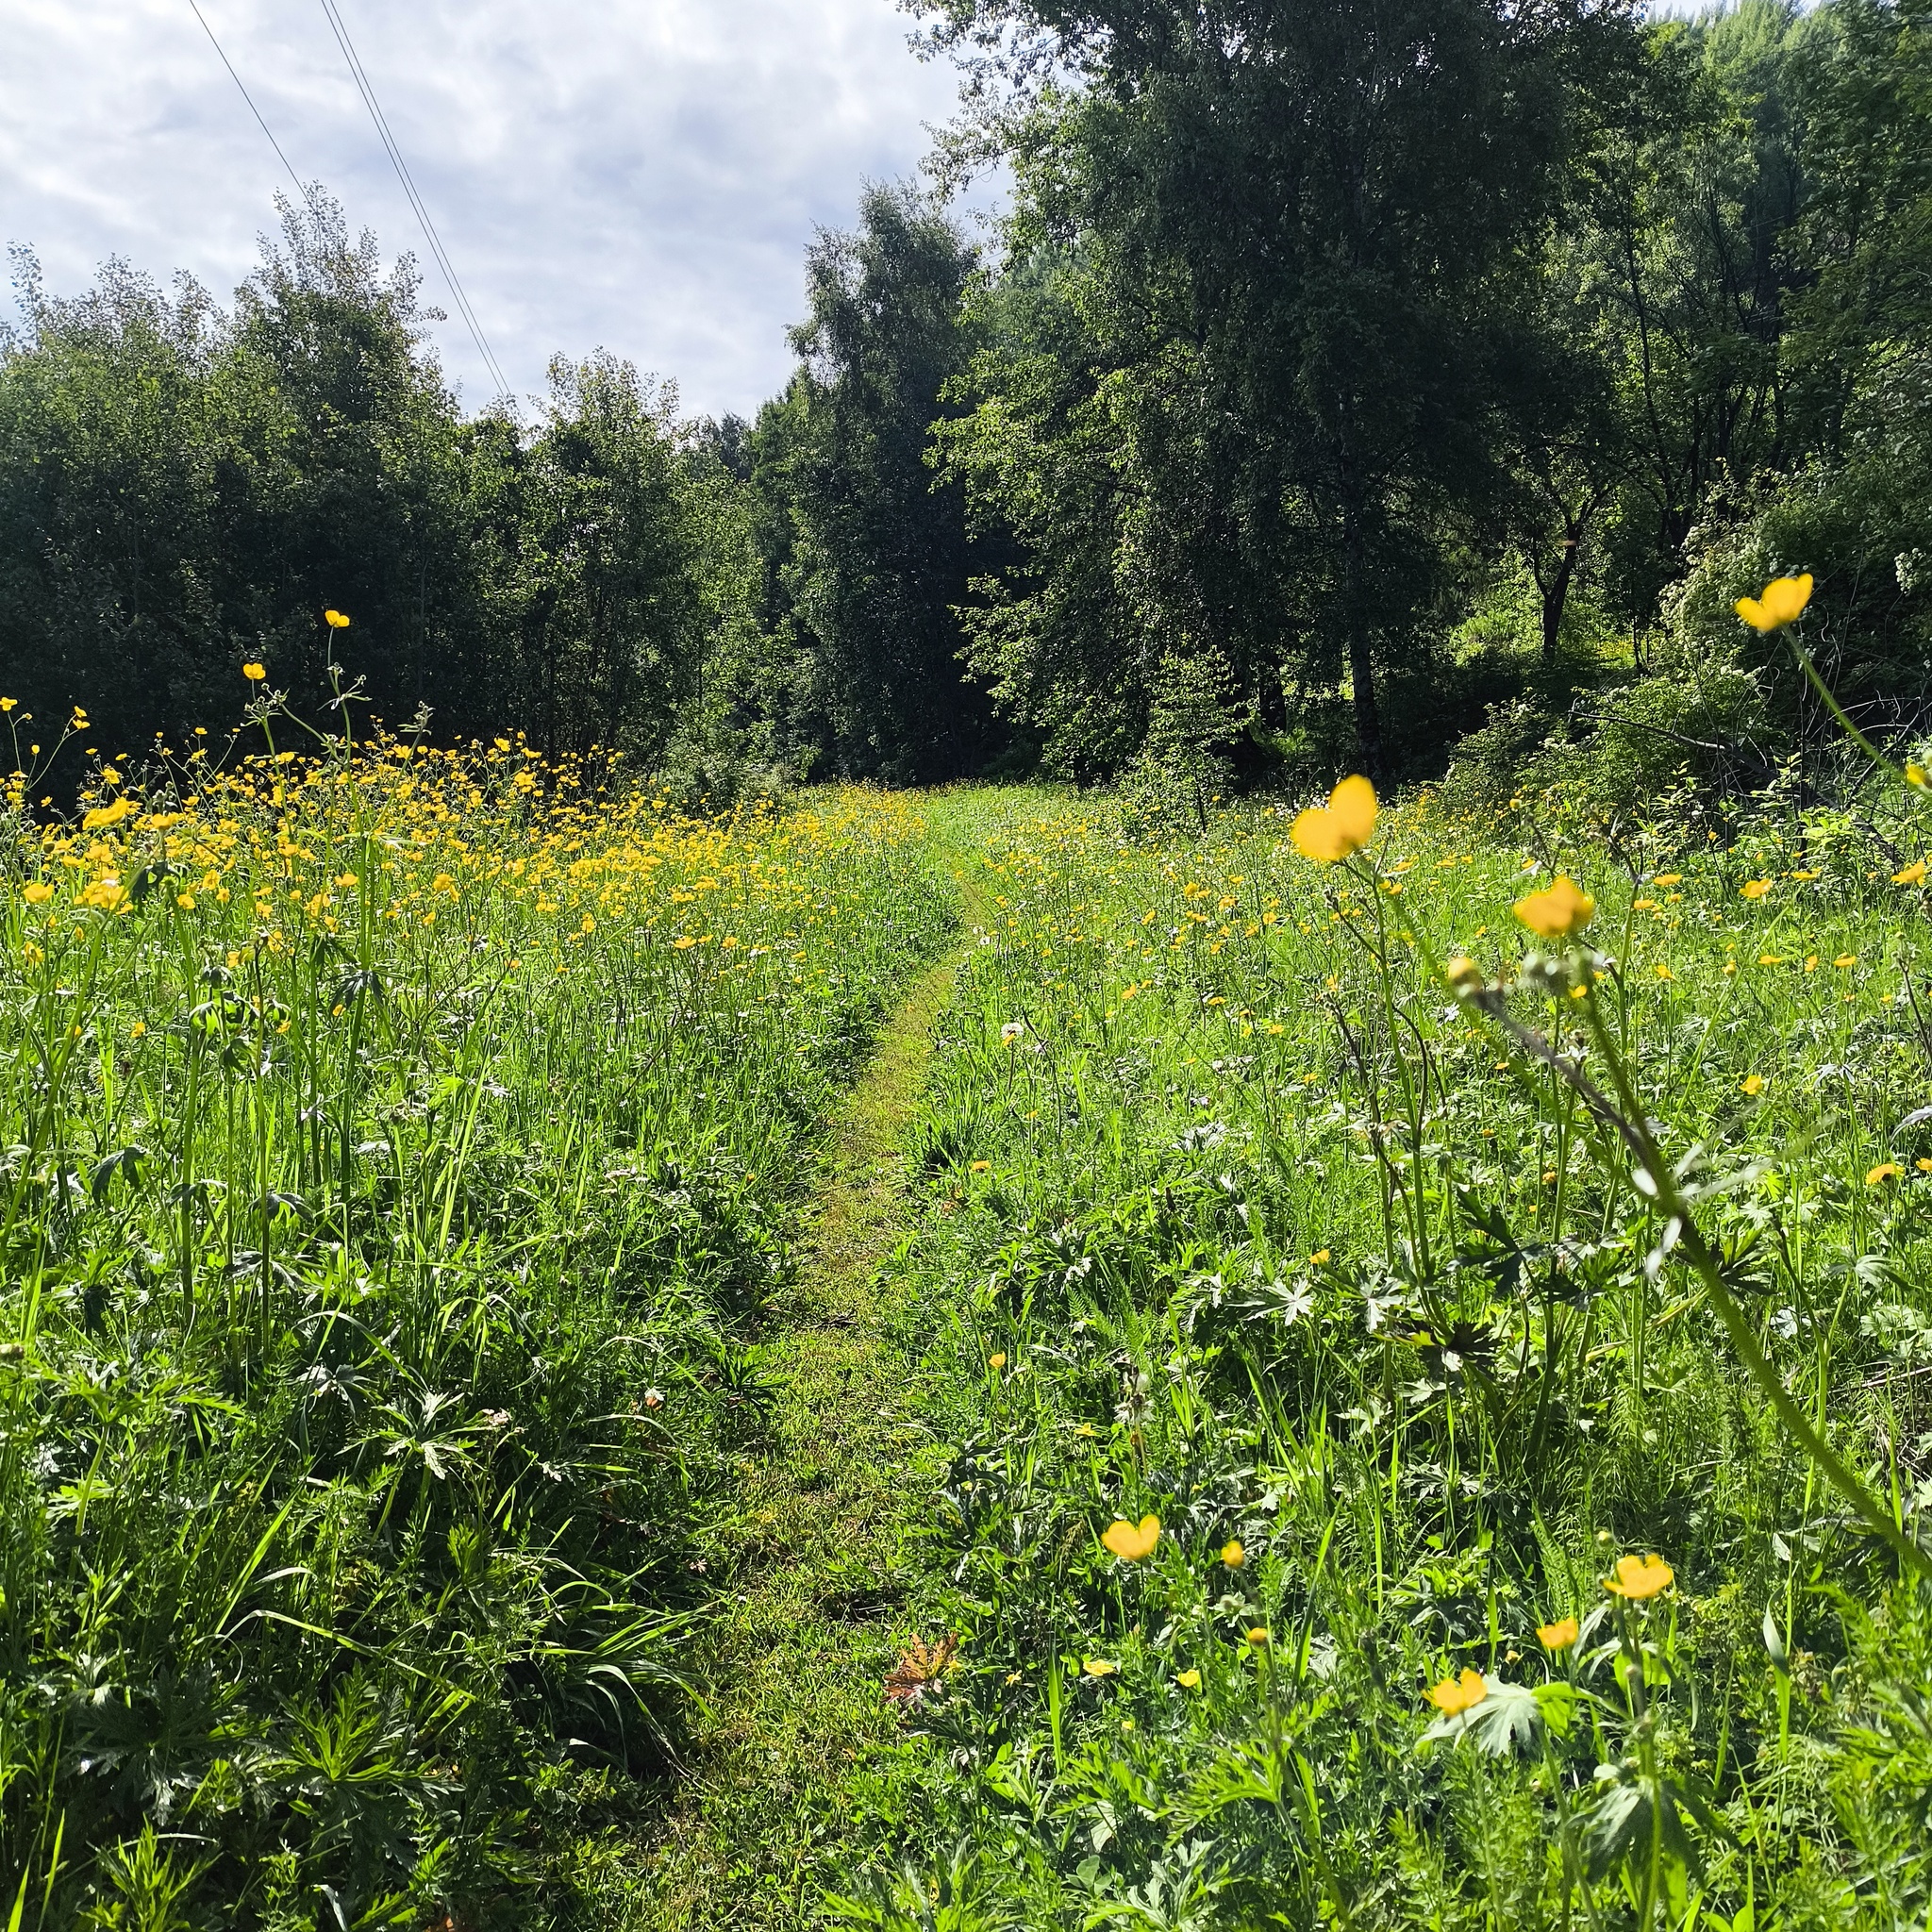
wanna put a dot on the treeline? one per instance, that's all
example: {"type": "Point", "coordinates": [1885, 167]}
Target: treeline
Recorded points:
{"type": "Point", "coordinates": [1340, 386]}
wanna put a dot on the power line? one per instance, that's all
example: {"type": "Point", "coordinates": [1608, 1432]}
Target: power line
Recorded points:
{"type": "Point", "coordinates": [366, 89]}
{"type": "Point", "coordinates": [250, 99]}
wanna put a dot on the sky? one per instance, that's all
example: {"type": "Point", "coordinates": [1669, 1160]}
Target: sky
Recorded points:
{"type": "Point", "coordinates": [638, 175]}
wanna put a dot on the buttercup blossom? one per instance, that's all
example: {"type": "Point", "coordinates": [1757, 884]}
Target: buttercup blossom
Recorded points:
{"type": "Point", "coordinates": [1557, 911]}
{"type": "Point", "coordinates": [1782, 603]}
{"type": "Point", "coordinates": [1638, 1578]}
{"type": "Point", "coordinates": [1453, 1695]}
{"type": "Point", "coordinates": [253, 672]}
{"type": "Point", "coordinates": [1343, 825]}
{"type": "Point", "coordinates": [1130, 1542]}
{"type": "Point", "coordinates": [1559, 1635]}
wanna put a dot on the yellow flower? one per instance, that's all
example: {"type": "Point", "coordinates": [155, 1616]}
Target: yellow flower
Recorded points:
{"type": "Point", "coordinates": [1914, 875]}
{"type": "Point", "coordinates": [1453, 1695]}
{"type": "Point", "coordinates": [1344, 824]}
{"type": "Point", "coordinates": [137, 1030]}
{"type": "Point", "coordinates": [37, 895]}
{"type": "Point", "coordinates": [1232, 1553]}
{"type": "Point", "coordinates": [1924, 1165]}
{"type": "Point", "coordinates": [1752, 1083]}
{"type": "Point", "coordinates": [103, 816]}
{"type": "Point", "coordinates": [1885, 1170]}
{"type": "Point", "coordinates": [104, 895]}
{"type": "Point", "coordinates": [253, 672]}
{"type": "Point", "coordinates": [1784, 599]}
{"type": "Point", "coordinates": [1259, 1637]}
{"type": "Point", "coordinates": [1845, 960]}
{"type": "Point", "coordinates": [186, 901]}
{"type": "Point", "coordinates": [1915, 776]}
{"type": "Point", "coordinates": [1099, 1667]}
{"type": "Point", "coordinates": [1558, 1636]}
{"type": "Point", "coordinates": [1320, 1257]}
{"type": "Point", "coordinates": [996, 1362]}
{"type": "Point", "coordinates": [1638, 1578]}
{"type": "Point", "coordinates": [1663, 972]}
{"type": "Point", "coordinates": [1559, 911]}
{"type": "Point", "coordinates": [1130, 1543]}
{"type": "Point", "coordinates": [1755, 888]}
{"type": "Point", "coordinates": [1188, 1680]}
{"type": "Point", "coordinates": [7, 704]}
{"type": "Point", "coordinates": [336, 621]}
{"type": "Point", "coordinates": [981, 1166]}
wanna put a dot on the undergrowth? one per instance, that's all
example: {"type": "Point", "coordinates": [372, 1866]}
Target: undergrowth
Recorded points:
{"type": "Point", "coordinates": [394, 1146]}
{"type": "Point", "coordinates": [1311, 1354]}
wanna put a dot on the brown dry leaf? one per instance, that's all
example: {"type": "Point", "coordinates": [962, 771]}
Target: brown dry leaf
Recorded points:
{"type": "Point", "coordinates": [919, 1671]}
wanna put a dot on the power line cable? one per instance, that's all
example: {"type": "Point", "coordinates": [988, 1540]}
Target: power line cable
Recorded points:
{"type": "Point", "coordinates": [367, 89]}
{"type": "Point", "coordinates": [250, 99]}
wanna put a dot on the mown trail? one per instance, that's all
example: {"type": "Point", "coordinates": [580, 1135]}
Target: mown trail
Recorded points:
{"type": "Point", "coordinates": [803, 1647]}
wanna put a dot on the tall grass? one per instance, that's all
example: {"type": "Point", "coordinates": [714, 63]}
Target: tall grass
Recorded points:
{"type": "Point", "coordinates": [391, 1148]}
{"type": "Point", "coordinates": [1244, 1221]}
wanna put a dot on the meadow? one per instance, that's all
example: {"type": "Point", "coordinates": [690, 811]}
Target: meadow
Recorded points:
{"type": "Point", "coordinates": [394, 1147]}
{"type": "Point", "coordinates": [1357, 1509]}
{"type": "Point", "coordinates": [1396, 1390]}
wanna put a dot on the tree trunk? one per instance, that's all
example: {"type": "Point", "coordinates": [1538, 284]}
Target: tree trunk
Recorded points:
{"type": "Point", "coordinates": [1555, 594]}
{"type": "Point", "coordinates": [1361, 670]}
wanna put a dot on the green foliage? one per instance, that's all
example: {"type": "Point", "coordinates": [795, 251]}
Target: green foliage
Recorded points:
{"type": "Point", "coordinates": [1235, 1231]}
{"type": "Point", "coordinates": [394, 1149]}
{"type": "Point", "coordinates": [182, 492]}
{"type": "Point", "coordinates": [867, 557]}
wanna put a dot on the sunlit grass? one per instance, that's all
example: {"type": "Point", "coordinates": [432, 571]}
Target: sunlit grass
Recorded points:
{"type": "Point", "coordinates": [391, 1144]}
{"type": "Point", "coordinates": [1276, 1242]}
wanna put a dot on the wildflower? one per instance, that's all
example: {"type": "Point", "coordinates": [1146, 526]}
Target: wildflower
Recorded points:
{"type": "Point", "coordinates": [253, 672]}
{"type": "Point", "coordinates": [996, 1362]}
{"type": "Point", "coordinates": [1464, 975]}
{"type": "Point", "coordinates": [1885, 1170]}
{"type": "Point", "coordinates": [1914, 875]}
{"type": "Point", "coordinates": [1752, 1083]}
{"type": "Point", "coordinates": [1558, 1636]}
{"type": "Point", "coordinates": [1232, 1553]}
{"type": "Point", "coordinates": [7, 704]}
{"type": "Point", "coordinates": [1783, 601]}
{"type": "Point", "coordinates": [1915, 776]}
{"type": "Point", "coordinates": [1453, 1695]}
{"type": "Point", "coordinates": [1343, 825]}
{"type": "Point", "coordinates": [37, 895]}
{"type": "Point", "coordinates": [1188, 1680]}
{"type": "Point", "coordinates": [1319, 1258]}
{"type": "Point", "coordinates": [335, 620]}
{"type": "Point", "coordinates": [1129, 1542]}
{"type": "Point", "coordinates": [185, 900]}
{"type": "Point", "coordinates": [1100, 1667]}
{"type": "Point", "coordinates": [1012, 1033]}
{"type": "Point", "coordinates": [1664, 972]}
{"type": "Point", "coordinates": [103, 816]}
{"type": "Point", "coordinates": [1755, 888]}
{"type": "Point", "coordinates": [1638, 1578]}
{"type": "Point", "coordinates": [137, 1030]}
{"type": "Point", "coordinates": [1559, 911]}
{"type": "Point", "coordinates": [1845, 960]}
{"type": "Point", "coordinates": [1258, 1638]}
{"type": "Point", "coordinates": [981, 1166]}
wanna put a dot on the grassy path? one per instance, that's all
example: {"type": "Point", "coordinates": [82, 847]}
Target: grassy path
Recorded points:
{"type": "Point", "coordinates": [803, 1654]}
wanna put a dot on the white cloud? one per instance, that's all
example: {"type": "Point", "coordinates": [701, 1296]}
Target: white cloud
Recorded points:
{"type": "Point", "coordinates": [636, 175]}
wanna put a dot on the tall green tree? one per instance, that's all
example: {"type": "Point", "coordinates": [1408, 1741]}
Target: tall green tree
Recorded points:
{"type": "Point", "coordinates": [1295, 234]}
{"type": "Point", "coordinates": [871, 559]}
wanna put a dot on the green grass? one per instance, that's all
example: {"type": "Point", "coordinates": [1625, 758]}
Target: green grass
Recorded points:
{"type": "Point", "coordinates": [396, 1158]}
{"type": "Point", "coordinates": [1248, 1224]}
{"type": "Point", "coordinates": [483, 1416]}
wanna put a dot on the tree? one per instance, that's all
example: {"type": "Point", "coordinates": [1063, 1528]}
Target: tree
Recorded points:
{"type": "Point", "coordinates": [1294, 233]}
{"type": "Point", "coordinates": [871, 554]}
